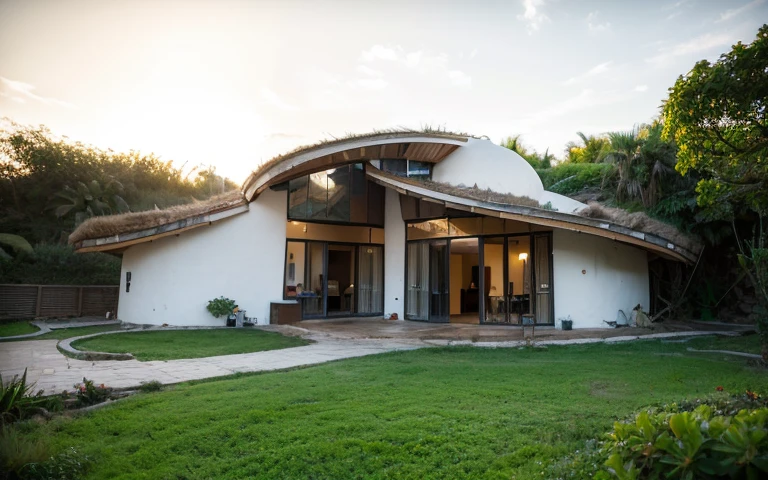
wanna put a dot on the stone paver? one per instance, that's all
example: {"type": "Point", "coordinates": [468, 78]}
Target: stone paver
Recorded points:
{"type": "Point", "coordinates": [53, 372]}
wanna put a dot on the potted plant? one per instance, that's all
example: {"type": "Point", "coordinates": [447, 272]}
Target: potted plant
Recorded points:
{"type": "Point", "coordinates": [221, 306]}
{"type": "Point", "coordinates": [566, 323]}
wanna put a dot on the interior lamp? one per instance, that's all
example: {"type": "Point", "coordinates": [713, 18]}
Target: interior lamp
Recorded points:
{"type": "Point", "coordinates": [522, 256]}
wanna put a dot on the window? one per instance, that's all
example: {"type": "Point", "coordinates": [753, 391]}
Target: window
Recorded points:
{"type": "Point", "coordinates": [337, 195]}
{"type": "Point", "coordinates": [419, 169]}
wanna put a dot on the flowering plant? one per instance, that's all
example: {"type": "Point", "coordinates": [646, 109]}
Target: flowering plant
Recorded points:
{"type": "Point", "coordinates": [87, 393]}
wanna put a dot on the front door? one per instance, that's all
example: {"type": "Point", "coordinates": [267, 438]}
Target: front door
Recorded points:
{"type": "Point", "coordinates": [542, 248]}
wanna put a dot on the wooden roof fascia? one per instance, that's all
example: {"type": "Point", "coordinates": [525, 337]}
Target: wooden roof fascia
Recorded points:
{"type": "Point", "coordinates": [601, 228]}
{"type": "Point", "coordinates": [285, 169]}
{"type": "Point", "coordinates": [123, 240]}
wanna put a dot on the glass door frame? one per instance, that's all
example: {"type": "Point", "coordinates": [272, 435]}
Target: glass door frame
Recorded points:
{"type": "Point", "coordinates": [481, 282]}
{"type": "Point", "coordinates": [444, 296]}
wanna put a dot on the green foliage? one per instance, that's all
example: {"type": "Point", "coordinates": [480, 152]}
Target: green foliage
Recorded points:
{"type": "Point", "coordinates": [18, 453]}
{"type": "Point", "coordinates": [87, 393]}
{"type": "Point", "coordinates": [67, 465]}
{"type": "Point", "coordinates": [17, 243]}
{"type": "Point", "coordinates": [38, 171]}
{"type": "Point", "coordinates": [56, 264]}
{"type": "Point", "coordinates": [221, 306]}
{"type": "Point", "coordinates": [593, 149]}
{"type": "Point", "coordinates": [150, 386]}
{"type": "Point", "coordinates": [17, 401]}
{"type": "Point", "coordinates": [571, 178]}
{"type": "Point", "coordinates": [753, 259]}
{"type": "Point", "coordinates": [716, 115]}
{"type": "Point", "coordinates": [536, 160]}
{"type": "Point", "coordinates": [88, 200]}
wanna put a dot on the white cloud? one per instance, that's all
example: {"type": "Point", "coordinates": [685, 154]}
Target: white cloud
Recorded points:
{"type": "Point", "coordinates": [459, 78]}
{"type": "Point", "coordinates": [20, 92]}
{"type": "Point", "coordinates": [274, 99]}
{"type": "Point", "coordinates": [641, 88]}
{"type": "Point", "coordinates": [533, 16]}
{"type": "Point", "coordinates": [379, 52]}
{"type": "Point", "coordinates": [586, 99]}
{"type": "Point", "coordinates": [594, 25]}
{"type": "Point", "coordinates": [366, 70]}
{"type": "Point", "coordinates": [369, 83]}
{"type": "Point", "coordinates": [696, 45]}
{"type": "Point", "coordinates": [592, 72]}
{"type": "Point", "coordinates": [413, 59]}
{"type": "Point", "coordinates": [729, 14]}
{"type": "Point", "coordinates": [474, 52]}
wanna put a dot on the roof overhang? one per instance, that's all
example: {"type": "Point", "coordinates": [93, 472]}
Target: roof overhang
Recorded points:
{"type": "Point", "coordinates": [117, 243]}
{"type": "Point", "coordinates": [408, 145]}
{"type": "Point", "coordinates": [539, 216]}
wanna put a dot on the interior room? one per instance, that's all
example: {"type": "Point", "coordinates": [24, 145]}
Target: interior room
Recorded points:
{"type": "Point", "coordinates": [465, 296]}
{"type": "Point", "coordinates": [341, 278]}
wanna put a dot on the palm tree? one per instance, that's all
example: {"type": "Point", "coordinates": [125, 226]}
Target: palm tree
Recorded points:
{"type": "Point", "coordinates": [643, 160]}
{"type": "Point", "coordinates": [594, 149]}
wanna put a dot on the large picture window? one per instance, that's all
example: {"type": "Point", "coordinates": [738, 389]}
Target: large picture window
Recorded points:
{"type": "Point", "coordinates": [337, 195]}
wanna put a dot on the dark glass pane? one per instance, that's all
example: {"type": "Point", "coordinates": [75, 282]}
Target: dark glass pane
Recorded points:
{"type": "Point", "coordinates": [358, 205]}
{"type": "Point", "coordinates": [396, 167]}
{"type": "Point", "coordinates": [318, 195]}
{"type": "Point", "coordinates": [338, 194]}
{"type": "Point", "coordinates": [297, 198]}
{"type": "Point", "coordinates": [375, 204]}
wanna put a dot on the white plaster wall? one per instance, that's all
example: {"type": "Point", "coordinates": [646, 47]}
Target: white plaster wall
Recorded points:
{"type": "Point", "coordinates": [615, 278]}
{"type": "Point", "coordinates": [488, 165]}
{"type": "Point", "coordinates": [241, 257]}
{"type": "Point", "coordinates": [394, 256]}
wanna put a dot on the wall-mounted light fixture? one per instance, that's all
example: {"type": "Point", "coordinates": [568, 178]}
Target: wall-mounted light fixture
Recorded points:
{"type": "Point", "coordinates": [523, 256]}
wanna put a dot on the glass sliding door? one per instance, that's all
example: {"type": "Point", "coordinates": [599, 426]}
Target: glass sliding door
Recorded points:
{"type": "Point", "coordinates": [542, 264]}
{"type": "Point", "coordinates": [314, 290]}
{"type": "Point", "coordinates": [340, 299]}
{"type": "Point", "coordinates": [494, 297]}
{"type": "Point", "coordinates": [370, 280]}
{"type": "Point", "coordinates": [518, 285]}
{"type": "Point", "coordinates": [439, 282]}
{"type": "Point", "coordinates": [417, 291]}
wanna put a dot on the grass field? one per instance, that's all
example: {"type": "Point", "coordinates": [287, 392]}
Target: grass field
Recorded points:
{"type": "Point", "coordinates": [430, 413]}
{"type": "Point", "coordinates": [11, 329]}
{"type": "Point", "coordinates": [175, 344]}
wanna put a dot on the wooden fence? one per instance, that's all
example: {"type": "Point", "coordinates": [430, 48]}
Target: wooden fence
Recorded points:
{"type": "Point", "coordinates": [31, 301]}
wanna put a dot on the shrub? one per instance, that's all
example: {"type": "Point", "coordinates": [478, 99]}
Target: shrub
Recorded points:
{"type": "Point", "coordinates": [87, 393]}
{"type": "Point", "coordinates": [710, 439]}
{"type": "Point", "coordinates": [221, 306]}
{"type": "Point", "coordinates": [151, 386]}
{"type": "Point", "coordinates": [18, 453]}
{"type": "Point", "coordinates": [571, 178]}
{"type": "Point", "coordinates": [55, 264]}
{"type": "Point", "coordinates": [17, 401]}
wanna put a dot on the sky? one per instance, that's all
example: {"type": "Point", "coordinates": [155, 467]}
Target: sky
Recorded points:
{"type": "Point", "coordinates": [233, 83]}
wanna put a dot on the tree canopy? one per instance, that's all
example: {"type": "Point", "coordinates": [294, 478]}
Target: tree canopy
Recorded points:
{"type": "Point", "coordinates": [716, 114]}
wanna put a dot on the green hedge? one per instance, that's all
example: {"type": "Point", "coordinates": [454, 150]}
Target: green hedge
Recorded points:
{"type": "Point", "coordinates": [569, 178]}
{"type": "Point", "coordinates": [60, 265]}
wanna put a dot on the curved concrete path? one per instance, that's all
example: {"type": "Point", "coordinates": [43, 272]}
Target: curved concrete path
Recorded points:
{"type": "Point", "coordinates": [53, 372]}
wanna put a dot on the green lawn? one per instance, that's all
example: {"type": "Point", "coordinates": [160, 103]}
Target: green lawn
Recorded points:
{"type": "Point", "coordinates": [432, 413]}
{"type": "Point", "coordinates": [62, 333]}
{"type": "Point", "coordinates": [174, 344]}
{"type": "Point", "coordinates": [744, 343]}
{"type": "Point", "coordinates": [16, 328]}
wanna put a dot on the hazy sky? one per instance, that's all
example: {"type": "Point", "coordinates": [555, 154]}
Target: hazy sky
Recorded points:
{"type": "Point", "coordinates": [233, 83]}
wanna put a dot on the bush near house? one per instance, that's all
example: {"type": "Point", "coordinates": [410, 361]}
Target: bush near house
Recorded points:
{"type": "Point", "coordinates": [571, 178]}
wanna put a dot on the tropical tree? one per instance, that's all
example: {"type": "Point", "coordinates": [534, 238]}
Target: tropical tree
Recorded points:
{"type": "Point", "coordinates": [717, 115]}
{"type": "Point", "coordinates": [593, 150]}
{"type": "Point", "coordinates": [89, 200]}
{"type": "Point", "coordinates": [535, 159]}
{"type": "Point", "coordinates": [645, 164]}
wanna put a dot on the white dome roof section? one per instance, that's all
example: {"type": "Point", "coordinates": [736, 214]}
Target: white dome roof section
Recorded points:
{"type": "Point", "coordinates": [489, 166]}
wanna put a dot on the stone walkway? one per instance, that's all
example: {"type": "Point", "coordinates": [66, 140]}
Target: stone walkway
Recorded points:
{"type": "Point", "coordinates": [54, 372]}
